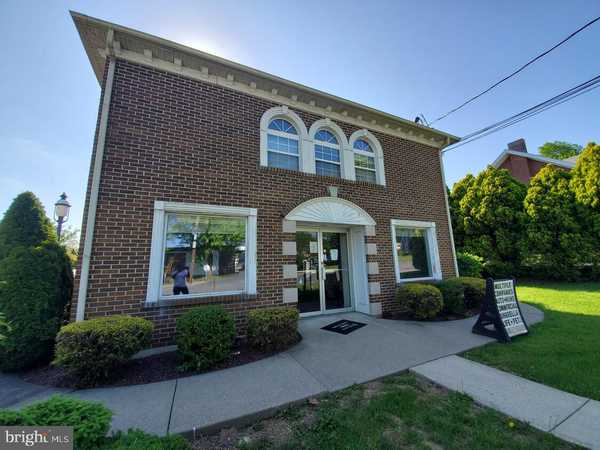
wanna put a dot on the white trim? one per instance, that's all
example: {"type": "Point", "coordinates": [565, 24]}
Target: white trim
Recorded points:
{"type": "Point", "coordinates": [161, 208]}
{"type": "Point", "coordinates": [450, 230]}
{"type": "Point", "coordinates": [329, 125]}
{"type": "Point", "coordinates": [94, 191]}
{"type": "Point", "coordinates": [377, 153]}
{"type": "Point", "coordinates": [332, 210]}
{"type": "Point", "coordinates": [555, 162]}
{"type": "Point", "coordinates": [283, 112]}
{"type": "Point", "coordinates": [434, 256]}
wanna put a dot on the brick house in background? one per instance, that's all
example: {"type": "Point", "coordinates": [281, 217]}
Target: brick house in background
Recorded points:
{"type": "Point", "coordinates": [523, 166]}
{"type": "Point", "coordinates": [266, 191]}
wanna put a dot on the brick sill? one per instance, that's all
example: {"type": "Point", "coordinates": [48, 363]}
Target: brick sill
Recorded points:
{"type": "Point", "coordinates": [201, 300]}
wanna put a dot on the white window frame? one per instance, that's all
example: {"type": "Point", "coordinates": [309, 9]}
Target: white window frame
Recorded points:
{"type": "Point", "coordinates": [155, 275]}
{"type": "Point", "coordinates": [377, 154]}
{"type": "Point", "coordinates": [283, 112]}
{"type": "Point", "coordinates": [432, 246]}
{"type": "Point", "coordinates": [328, 125]}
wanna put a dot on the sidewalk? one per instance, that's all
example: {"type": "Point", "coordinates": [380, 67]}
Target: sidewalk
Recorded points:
{"type": "Point", "coordinates": [322, 362]}
{"type": "Point", "coordinates": [570, 417]}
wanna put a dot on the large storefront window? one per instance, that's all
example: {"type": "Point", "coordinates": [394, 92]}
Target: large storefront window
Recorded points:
{"type": "Point", "coordinates": [203, 254]}
{"type": "Point", "coordinates": [415, 250]}
{"type": "Point", "coordinates": [201, 250]}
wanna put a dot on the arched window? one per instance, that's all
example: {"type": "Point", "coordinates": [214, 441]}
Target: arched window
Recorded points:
{"type": "Point", "coordinates": [365, 168]}
{"type": "Point", "coordinates": [283, 145]}
{"type": "Point", "coordinates": [327, 154]}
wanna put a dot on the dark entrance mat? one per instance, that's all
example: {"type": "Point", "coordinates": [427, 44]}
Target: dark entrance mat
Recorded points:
{"type": "Point", "coordinates": [344, 326]}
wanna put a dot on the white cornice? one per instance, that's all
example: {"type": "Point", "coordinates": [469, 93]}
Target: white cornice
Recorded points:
{"type": "Point", "coordinates": [101, 38]}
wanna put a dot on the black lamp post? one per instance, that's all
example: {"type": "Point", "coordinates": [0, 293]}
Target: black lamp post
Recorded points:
{"type": "Point", "coordinates": [61, 212]}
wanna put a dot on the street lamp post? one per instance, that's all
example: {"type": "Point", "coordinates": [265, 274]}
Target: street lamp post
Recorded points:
{"type": "Point", "coordinates": [61, 212]}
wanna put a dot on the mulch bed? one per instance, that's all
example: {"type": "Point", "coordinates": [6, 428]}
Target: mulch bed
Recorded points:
{"type": "Point", "coordinates": [150, 369]}
{"type": "Point", "coordinates": [441, 318]}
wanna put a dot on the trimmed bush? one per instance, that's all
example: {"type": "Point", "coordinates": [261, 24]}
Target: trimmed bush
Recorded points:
{"type": "Point", "coordinates": [474, 290]}
{"type": "Point", "coordinates": [90, 420]}
{"type": "Point", "coordinates": [469, 265]}
{"type": "Point", "coordinates": [453, 294]}
{"type": "Point", "coordinates": [4, 328]}
{"type": "Point", "coordinates": [498, 269]}
{"type": "Point", "coordinates": [422, 301]}
{"type": "Point", "coordinates": [204, 337]}
{"type": "Point", "coordinates": [272, 329]}
{"type": "Point", "coordinates": [138, 440]}
{"type": "Point", "coordinates": [94, 348]}
{"type": "Point", "coordinates": [35, 286]}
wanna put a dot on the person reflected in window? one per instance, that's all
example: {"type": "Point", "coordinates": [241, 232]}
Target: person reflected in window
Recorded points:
{"type": "Point", "coordinates": [180, 275]}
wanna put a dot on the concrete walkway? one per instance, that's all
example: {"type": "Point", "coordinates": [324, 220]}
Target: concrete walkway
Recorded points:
{"type": "Point", "coordinates": [322, 362]}
{"type": "Point", "coordinates": [570, 417]}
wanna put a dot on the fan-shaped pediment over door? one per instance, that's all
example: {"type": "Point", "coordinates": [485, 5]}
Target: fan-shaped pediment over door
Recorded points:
{"type": "Point", "coordinates": [330, 210]}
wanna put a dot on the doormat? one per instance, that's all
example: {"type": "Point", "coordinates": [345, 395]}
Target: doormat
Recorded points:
{"type": "Point", "coordinates": [343, 326]}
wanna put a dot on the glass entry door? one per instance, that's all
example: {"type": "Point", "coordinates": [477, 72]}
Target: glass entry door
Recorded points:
{"type": "Point", "coordinates": [323, 276]}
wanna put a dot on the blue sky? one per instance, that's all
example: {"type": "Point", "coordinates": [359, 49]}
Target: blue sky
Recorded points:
{"type": "Point", "coordinates": [404, 58]}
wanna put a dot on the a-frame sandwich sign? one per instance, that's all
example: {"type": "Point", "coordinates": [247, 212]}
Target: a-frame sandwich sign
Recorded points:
{"type": "Point", "coordinates": [500, 317]}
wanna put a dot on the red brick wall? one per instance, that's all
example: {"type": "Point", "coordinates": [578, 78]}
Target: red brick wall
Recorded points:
{"type": "Point", "coordinates": [176, 139]}
{"type": "Point", "coordinates": [523, 169]}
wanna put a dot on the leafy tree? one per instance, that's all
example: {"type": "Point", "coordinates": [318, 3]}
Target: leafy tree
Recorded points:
{"type": "Point", "coordinates": [586, 177]}
{"type": "Point", "coordinates": [36, 284]}
{"type": "Point", "coordinates": [492, 211]}
{"type": "Point", "coordinates": [555, 243]}
{"type": "Point", "coordinates": [4, 328]}
{"type": "Point", "coordinates": [455, 196]}
{"type": "Point", "coordinates": [559, 150]}
{"type": "Point", "coordinates": [25, 224]}
{"type": "Point", "coordinates": [69, 239]}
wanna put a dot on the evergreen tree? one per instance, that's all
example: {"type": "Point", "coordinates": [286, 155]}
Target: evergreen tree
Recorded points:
{"type": "Point", "coordinates": [25, 224]}
{"type": "Point", "coordinates": [492, 211]}
{"type": "Point", "coordinates": [458, 221]}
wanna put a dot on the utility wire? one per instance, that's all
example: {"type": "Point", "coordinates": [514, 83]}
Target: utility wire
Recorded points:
{"type": "Point", "coordinates": [541, 55]}
{"type": "Point", "coordinates": [567, 95]}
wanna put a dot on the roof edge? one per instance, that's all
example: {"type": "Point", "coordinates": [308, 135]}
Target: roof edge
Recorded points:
{"type": "Point", "coordinates": [91, 41]}
{"type": "Point", "coordinates": [556, 162]}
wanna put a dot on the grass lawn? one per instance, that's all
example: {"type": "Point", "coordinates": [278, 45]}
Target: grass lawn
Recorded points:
{"type": "Point", "coordinates": [564, 350]}
{"type": "Point", "coordinates": [397, 412]}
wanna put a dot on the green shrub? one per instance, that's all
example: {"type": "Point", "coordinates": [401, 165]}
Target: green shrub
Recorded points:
{"type": "Point", "coordinates": [204, 337]}
{"type": "Point", "coordinates": [90, 420]}
{"type": "Point", "coordinates": [94, 348]}
{"type": "Point", "coordinates": [25, 224]}
{"type": "Point", "coordinates": [498, 269]}
{"type": "Point", "coordinates": [469, 265]}
{"type": "Point", "coordinates": [474, 290]}
{"type": "Point", "coordinates": [4, 328]}
{"type": "Point", "coordinates": [422, 301]}
{"type": "Point", "coordinates": [273, 328]}
{"type": "Point", "coordinates": [35, 286]}
{"type": "Point", "coordinates": [453, 294]}
{"type": "Point", "coordinates": [138, 440]}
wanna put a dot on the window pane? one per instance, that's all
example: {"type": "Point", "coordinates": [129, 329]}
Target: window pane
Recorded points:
{"type": "Point", "coordinates": [326, 136]}
{"type": "Point", "coordinates": [363, 146]}
{"type": "Point", "coordinates": [413, 252]}
{"type": "Point", "coordinates": [282, 125]}
{"type": "Point", "coordinates": [282, 144]}
{"type": "Point", "coordinates": [363, 161]}
{"type": "Point", "coordinates": [204, 254]}
{"type": "Point", "coordinates": [327, 153]}
{"type": "Point", "coordinates": [283, 161]}
{"type": "Point", "coordinates": [328, 169]}
{"type": "Point", "coordinates": [365, 175]}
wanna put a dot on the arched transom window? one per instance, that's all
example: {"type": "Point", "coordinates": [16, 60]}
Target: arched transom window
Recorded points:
{"type": "Point", "coordinates": [283, 145]}
{"type": "Point", "coordinates": [364, 161]}
{"type": "Point", "coordinates": [327, 154]}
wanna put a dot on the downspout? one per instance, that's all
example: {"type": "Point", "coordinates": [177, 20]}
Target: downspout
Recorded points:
{"type": "Point", "coordinates": [448, 207]}
{"type": "Point", "coordinates": [95, 188]}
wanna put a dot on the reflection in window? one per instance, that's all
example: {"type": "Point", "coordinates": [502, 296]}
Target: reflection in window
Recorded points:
{"type": "Point", "coordinates": [327, 154]}
{"type": "Point", "coordinates": [204, 254]}
{"type": "Point", "coordinates": [282, 145]}
{"type": "Point", "coordinates": [364, 162]}
{"type": "Point", "coordinates": [413, 251]}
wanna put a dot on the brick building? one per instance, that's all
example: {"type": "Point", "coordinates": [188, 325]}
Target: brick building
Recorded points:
{"type": "Point", "coordinates": [523, 165]}
{"type": "Point", "coordinates": [215, 183]}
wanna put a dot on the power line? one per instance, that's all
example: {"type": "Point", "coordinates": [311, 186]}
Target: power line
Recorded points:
{"type": "Point", "coordinates": [567, 95]}
{"type": "Point", "coordinates": [541, 55]}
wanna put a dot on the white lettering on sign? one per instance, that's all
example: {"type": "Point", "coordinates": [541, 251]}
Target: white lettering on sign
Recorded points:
{"type": "Point", "coordinates": [508, 308]}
